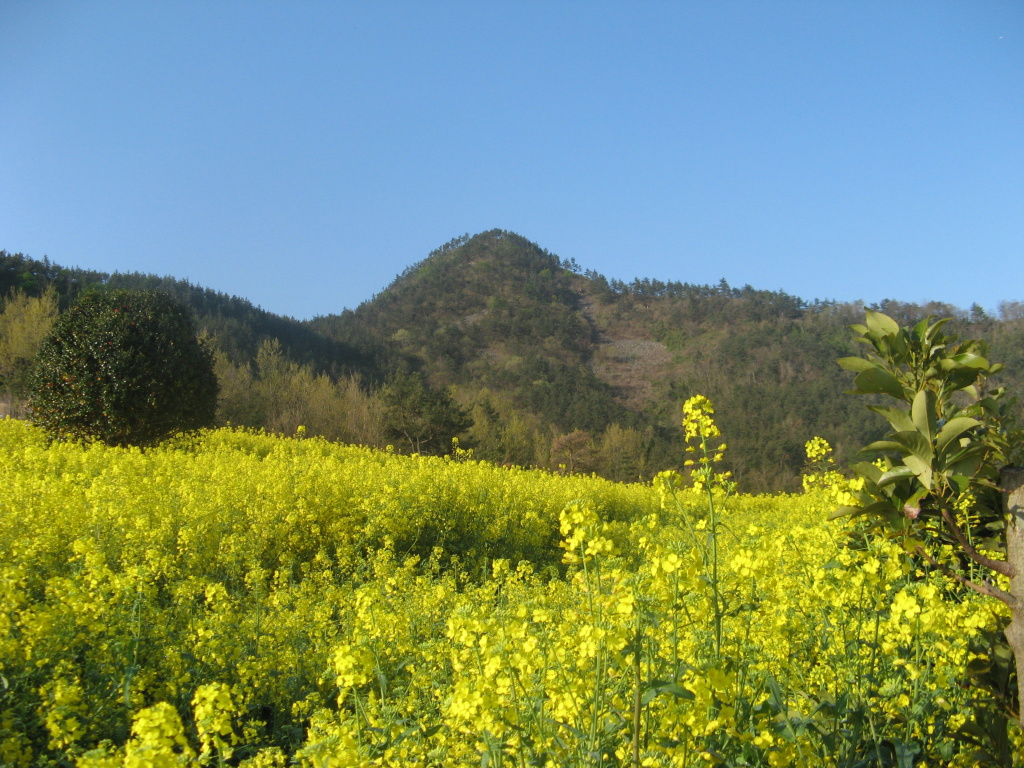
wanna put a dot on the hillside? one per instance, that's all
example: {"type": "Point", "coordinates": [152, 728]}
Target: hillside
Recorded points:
{"type": "Point", "coordinates": [555, 366]}
{"type": "Point", "coordinates": [538, 350]}
{"type": "Point", "coordinates": [238, 324]}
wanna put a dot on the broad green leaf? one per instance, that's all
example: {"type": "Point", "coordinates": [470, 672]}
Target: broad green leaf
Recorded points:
{"type": "Point", "coordinates": [961, 482]}
{"type": "Point", "coordinates": [880, 323]}
{"type": "Point", "coordinates": [905, 753]}
{"type": "Point", "coordinates": [427, 733]}
{"type": "Point", "coordinates": [846, 512]}
{"type": "Point", "coordinates": [923, 413]}
{"type": "Point", "coordinates": [991, 404]}
{"type": "Point", "coordinates": [867, 470]}
{"type": "Point", "coordinates": [895, 475]}
{"type": "Point", "coordinates": [959, 375]}
{"type": "Point", "coordinates": [967, 462]}
{"type": "Point", "coordinates": [916, 444]}
{"type": "Point", "coordinates": [875, 381]}
{"type": "Point", "coordinates": [934, 330]}
{"type": "Point", "coordinates": [971, 361]}
{"type": "Point", "coordinates": [776, 699]}
{"type": "Point", "coordinates": [882, 445]}
{"type": "Point", "coordinates": [855, 364]}
{"type": "Point", "coordinates": [963, 378]}
{"type": "Point", "coordinates": [921, 468]}
{"type": "Point", "coordinates": [911, 545]}
{"type": "Point", "coordinates": [897, 417]}
{"type": "Point", "coordinates": [952, 429]}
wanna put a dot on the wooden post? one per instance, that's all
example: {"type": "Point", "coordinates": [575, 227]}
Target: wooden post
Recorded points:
{"type": "Point", "coordinates": [1013, 489]}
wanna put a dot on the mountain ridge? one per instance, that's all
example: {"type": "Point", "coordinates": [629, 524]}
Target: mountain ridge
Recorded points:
{"type": "Point", "coordinates": [561, 367]}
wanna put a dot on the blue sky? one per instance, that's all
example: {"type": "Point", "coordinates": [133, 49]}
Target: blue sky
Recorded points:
{"type": "Point", "coordinates": [303, 154]}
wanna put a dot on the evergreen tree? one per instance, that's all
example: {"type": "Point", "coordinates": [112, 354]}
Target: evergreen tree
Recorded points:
{"type": "Point", "coordinates": [424, 418]}
{"type": "Point", "coordinates": [124, 368]}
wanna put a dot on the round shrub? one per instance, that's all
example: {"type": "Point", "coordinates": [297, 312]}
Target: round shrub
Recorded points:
{"type": "Point", "coordinates": [124, 368]}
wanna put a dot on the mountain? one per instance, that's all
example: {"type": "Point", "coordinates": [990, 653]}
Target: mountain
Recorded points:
{"type": "Point", "coordinates": [527, 339]}
{"type": "Point", "coordinates": [556, 366]}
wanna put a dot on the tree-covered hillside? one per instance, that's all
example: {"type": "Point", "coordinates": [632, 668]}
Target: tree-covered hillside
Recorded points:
{"type": "Point", "coordinates": [239, 326]}
{"type": "Point", "coordinates": [550, 365]}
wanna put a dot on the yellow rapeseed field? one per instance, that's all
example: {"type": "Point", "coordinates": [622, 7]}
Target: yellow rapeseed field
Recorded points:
{"type": "Point", "coordinates": [244, 599]}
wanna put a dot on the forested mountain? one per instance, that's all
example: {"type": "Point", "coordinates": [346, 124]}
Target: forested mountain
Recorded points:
{"type": "Point", "coordinates": [549, 365]}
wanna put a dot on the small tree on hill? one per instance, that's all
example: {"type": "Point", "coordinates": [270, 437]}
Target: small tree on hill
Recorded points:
{"type": "Point", "coordinates": [124, 368]}
{"type": "Point", "coordinates": [426, 419]}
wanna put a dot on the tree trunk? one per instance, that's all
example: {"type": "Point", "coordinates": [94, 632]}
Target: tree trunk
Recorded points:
{"type": "Point", "coordinates": [1013, 488]}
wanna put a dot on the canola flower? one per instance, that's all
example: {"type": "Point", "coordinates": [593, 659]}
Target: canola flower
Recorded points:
{"type": "Point", "coordinates": [263, 601]}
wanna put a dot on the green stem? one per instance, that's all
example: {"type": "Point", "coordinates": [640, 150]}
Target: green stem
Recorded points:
{"type": "Point", "coordinates": [713, 517]}
{"type": "Point", "coordinates": [637, 694]}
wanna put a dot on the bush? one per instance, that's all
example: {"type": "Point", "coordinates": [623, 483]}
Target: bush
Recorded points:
{"type": "Point", "coordinates": [124, 368]}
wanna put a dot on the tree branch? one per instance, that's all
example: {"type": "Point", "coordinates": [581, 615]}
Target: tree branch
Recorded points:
{"type": "Point", "coordinates": [999, 566]}
{"type": "Point", "coordinates": [989, 590]}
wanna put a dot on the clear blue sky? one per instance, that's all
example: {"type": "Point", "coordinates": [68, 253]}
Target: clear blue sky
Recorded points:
{"type": "Point", "coordinates": [303, 154]}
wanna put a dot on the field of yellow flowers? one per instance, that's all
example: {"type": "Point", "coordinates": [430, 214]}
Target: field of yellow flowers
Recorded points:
{"type": "Point", "coordinates": [253, 600]}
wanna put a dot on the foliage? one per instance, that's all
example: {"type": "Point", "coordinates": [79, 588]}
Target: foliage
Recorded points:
{"type": "Point", "coordinates": [262, 601]}
{"type": "Point", "coordinates": [937, 480]}
{"type": "Point", "coordinates": [573, 452]}
{"type": "Point", "coordinates": [424, 419]}
{"type": "Point", "coordinates": [281, 395]}
{"type": "Point", "coordinates": [24, 323]}
{"type": "Point", "coordinates": [124, 368]}
{"type": "Point", "coordinates": [938, 484]}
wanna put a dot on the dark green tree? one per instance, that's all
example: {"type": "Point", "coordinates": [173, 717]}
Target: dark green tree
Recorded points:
{"type": "Point", "coordinates": [426, 419]}
{"type": "Point", "coordinates": [124, 368]}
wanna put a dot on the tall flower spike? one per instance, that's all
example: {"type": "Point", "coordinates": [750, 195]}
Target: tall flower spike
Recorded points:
{"type": "Point", "coordinates": [697, 419]}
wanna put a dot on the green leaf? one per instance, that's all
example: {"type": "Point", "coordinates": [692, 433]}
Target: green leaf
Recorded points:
{"type": "Point", "coordinates": [921, 329]}
{"type": "Point", "coordinates": [895, 475]}
{"type": "Point", "coordinates": [970, 360]}
{"type": "Point", "coordinates": [855, 364]}
{"type": "Point", "coordinates": [923, 414]}
{"type": "Point", "coordinates": [876, 508]}
{"type": "Point", "coordinates": [875, 381]}
{"type": "Point", "coordinates": [881, 323]}
{"type": "Point", "coordinates": [776, 699]}
{"type": "Point", "coordinates": [897, 417]}
{"type": "Point", "coordinates": [882, 445]}
{"type": "Point", "coordinates": [967, 462]}
{"type": "Point", "coordinates": [962, 483]}
{"type": "Point", "coordinates": [845, 512]}
{"type": "Point", "coordinates": [867, 470]}
{"type": "Point", "coordinates": [915, 444]}
{"type": "Point", "coordinates": [906, 753]}
{"type": "Point", "coordinates": [952, 429]}
{"type": "Point", "coordinates": [921, 468]}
